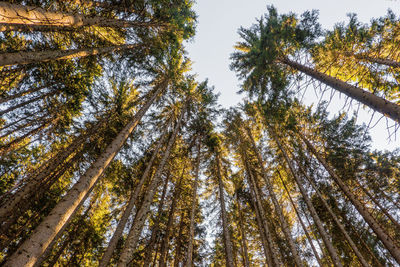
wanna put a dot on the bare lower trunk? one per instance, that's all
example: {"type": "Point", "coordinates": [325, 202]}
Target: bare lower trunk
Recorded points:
{"type": "Point", "coordinates": [27, 102]}
{"type": "Point", "coordinates": [332, 251]}
{"type": "Point", "coordinates": [245, 255]}
{"type": "Point", "coordinates": [128, 210]}
{"type": "Point", "coordinates": [141, 214]}
{"type": "Point", "coordinates": [388, 242]}
{"type": "Point", "coordinates": [10, 200]}
{"type": "Point", "coordinates": [226, 234]}
{"type": "Point", "coordinates": [265, 232]}
{"type": "Point", "coordinates": [302, 224]}
{"type": "Point", "coordinates": [156, 228]}
{"type": "Point", "coordinates": [178, 250]}
{"type": "Point", "coordinates": [171, 217]}
{"type": "Point", "coordinates": [284, 226]}
{"type": "Point", "coordinates": [376, 103]}
{"type": "Point", "coordinates": [385, 211]}
{"type": "Point", "coordinates": [337, 221]}
{"type": "Point", "coordinates": [11, 146]}
{"type": "Point", "coordinates": [25, 204]}
{"type": "Point", "coordinates": [29, 123]}
{"type": "Point", "coordinates": [20, 17]}
{"type": "Point", "coordinates": [32, 248]}
{"type": "Point", "coordinates": [30, 91]}
{"type": "Point", "coordinates": [189, 261]}
{"type": "Point", "coordinates": [15, 58]}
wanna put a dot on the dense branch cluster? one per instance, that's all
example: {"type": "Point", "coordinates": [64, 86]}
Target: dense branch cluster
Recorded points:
{"type": "Point", "coordinates": [113, 154]}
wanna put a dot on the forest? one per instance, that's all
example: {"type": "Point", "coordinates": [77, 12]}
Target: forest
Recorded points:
{"type": "Point", "coordinates": [114, 153]}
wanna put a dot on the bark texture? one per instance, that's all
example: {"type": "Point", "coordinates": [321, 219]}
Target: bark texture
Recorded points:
{"type": "Point", "coordinates": [141, 214]}
{"type": "Point", "coordinates": [325, 237]}
{"type": "Point", "coordinates": [129, 207]}
{"type": "Point", "coordinates": [21, 17]}
{"type": "Point", "coordinates": [227, 237]}
{"type": "Point", "coordinates": [189, 261]}
{"type": "Point", "coordinates": [29, 252]}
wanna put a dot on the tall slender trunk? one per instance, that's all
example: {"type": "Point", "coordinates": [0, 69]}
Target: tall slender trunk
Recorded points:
{"type": "Point", "coordinates": [141, 214]}
{"type": "Point", "coordinates": [336, 219]}
{"type": "Point", "coordinates": [20, 94]}
{"type": "Point", "coordinates": [278, 209]}
{"type": "Point", "coordinates": [29, 123]}
{"type": "Point", "coordinates": [365, 245]}
{"type": "Point", "coordinates": [155, 255]}
{"type": "Point", "coordinates": [383, 209]}
{"type": "Point", "coordinates": [33, 247]}
{"type": "Point", "coordinates": [302, 223]}
{"type": "Point", "coordinates": [20, 17]}
{"type": "Point", "coordinates": [376, 103]}
{"type": "Point", "coordinates": [269, 247]}
{"type": "Point", "coordinates": [10, 201]}
{"type": "Point", "coordinates": [26, 203]}
{"type": "Point", "coordinates": [51, 93]}
{"type": "Point", "coordinates": [71, 237]}
{"type": "Point", "coordinates": [132, 200]}
{"type": "Point", "coordinates": [332, 251]}
{"type": "Point", "coordinates": [189, 257]}
{"type": "Point", "coordinates": [387, 241]}
{"type": "Point", "coordinates": [178, 250]}
{"type": "Point", "coordinates": [11, 146]}
{"type": "Point", "coordinates": [23, 57]}
{"type": "Point", "coordinates": [18, 120]}
{"type": "Point", "coordinates": [268, 251]}
{"type": "Point", "coordinates": [156, 228]}
{"type": "Point", "coordinates": [226, 234]}
{"type": "Point", "coordinates": [171, 217]}
{"type": "Point", "coordinates": [245, 255]}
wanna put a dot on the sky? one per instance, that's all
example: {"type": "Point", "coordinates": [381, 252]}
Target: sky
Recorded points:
{"type": "Point", "coordinates": [219, 20]}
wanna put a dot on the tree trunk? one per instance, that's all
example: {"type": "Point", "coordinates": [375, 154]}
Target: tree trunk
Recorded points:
{"type": "Point", "coordinates": [32, 248]}
{"type": "Point", "coordinates": [25, 204]}
{"type": "Point", "coordinates": [9, 147]}
{"type": "Point", "coordinates": [265, 233]}
{"type": "Point", "coordinates": [388, 242]}
{"type": "Point", "coordinates": [177, 258]}
{"type": "Point", "coordinates": [189, 261]}
{"type": "Point", "coordinates": [141, 214]}
{"type": "Point", "coordinates": [332, 251]}
{"type": "Point", "coordinates": [15, 58]}
{"type": "Point", "coordinates": [27, 18]}
{"type": "Point", "coordinates": [29, 123]}
{"type": "Point", "coordinates": [336, 219]}
{"type": "Point", "coordinates": [156, 228]}
{"type": "Point", "coordinates": [376, 103]}
{"type": "Point", "coordinates": [10, 201]}
{"type": "Point", "coordinates": [132, 200]}
{"type": "Point", "coordinates": [245, 255]}
{"type": "Point", "coordinates": [227, 237]}
{"type": "Point", "coordinates": [302, 223]}
{"type": "Point", "coordinates": [20, 94]}
{"type": "Point", "coordinates": [385, 211]}
{"type": "Point", "coordinates": [171, 217]}
{"type": "Point", "coordinates": [71, 237]}
{"type": "Point", "coordinates": [27, 102]}
{"type": "Point", "coordinates": [365, 245]}
{"type": "Point", "coordinates": [285, 227]}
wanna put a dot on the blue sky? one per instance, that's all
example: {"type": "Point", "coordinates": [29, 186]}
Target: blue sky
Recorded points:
{"type": "Point", "coordinates": [216, 35]}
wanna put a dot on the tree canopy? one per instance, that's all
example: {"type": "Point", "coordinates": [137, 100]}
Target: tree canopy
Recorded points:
{"type": "Point", "coordinates": [113, 153]}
